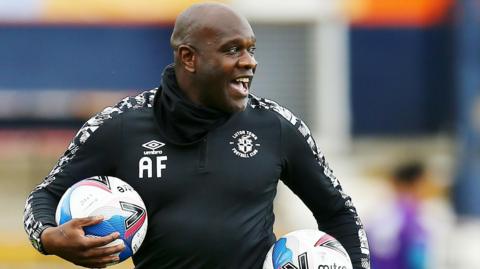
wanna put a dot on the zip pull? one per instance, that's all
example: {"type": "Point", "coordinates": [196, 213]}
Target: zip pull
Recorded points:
{"type": "Point", "coordinates": [203, 155]}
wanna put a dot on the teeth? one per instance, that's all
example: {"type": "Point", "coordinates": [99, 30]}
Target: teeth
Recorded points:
{"type": "Point", "coordinates": [246, 80]}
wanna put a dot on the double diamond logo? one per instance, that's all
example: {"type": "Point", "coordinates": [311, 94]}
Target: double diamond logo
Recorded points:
{"type": "Point", "coordinates": [153, 145]}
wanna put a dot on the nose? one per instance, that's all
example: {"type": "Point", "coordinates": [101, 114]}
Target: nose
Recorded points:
{"type": "Point", "coordinates": [247, 61]}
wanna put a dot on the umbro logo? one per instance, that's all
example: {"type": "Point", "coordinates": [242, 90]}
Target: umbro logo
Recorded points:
{"type": "Point", "coordinates": [153, 146]}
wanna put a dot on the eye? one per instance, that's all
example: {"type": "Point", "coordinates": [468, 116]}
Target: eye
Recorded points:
{"type": "Point", "coordinates": [233, 50]}
{"type": "Point", "coordinates": [251, 50]}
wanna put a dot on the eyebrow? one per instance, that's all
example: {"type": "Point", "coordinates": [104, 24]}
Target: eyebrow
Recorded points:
{"type": "Point", "coordinates": [238, 40]}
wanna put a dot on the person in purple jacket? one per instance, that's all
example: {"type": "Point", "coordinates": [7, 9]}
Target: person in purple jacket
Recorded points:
{"type": "Point", "coordinates": [398, 240]}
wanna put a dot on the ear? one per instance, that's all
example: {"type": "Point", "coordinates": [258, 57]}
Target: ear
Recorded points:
{"type": "Point", "coordinates": [187, 57]}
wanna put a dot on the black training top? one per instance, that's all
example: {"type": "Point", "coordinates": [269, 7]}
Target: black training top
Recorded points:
{"type": "Point", "coordinates": [208, 179]}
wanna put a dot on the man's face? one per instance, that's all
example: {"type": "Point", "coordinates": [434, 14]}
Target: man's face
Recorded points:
{"type": "Point", "coordinates": [225, 65]}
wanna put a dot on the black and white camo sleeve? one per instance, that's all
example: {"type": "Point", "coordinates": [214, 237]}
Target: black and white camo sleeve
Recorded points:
{"type": "Point", "coordinates": [308, 175]}
{"type": "Point", "coordinates": [92, 152]}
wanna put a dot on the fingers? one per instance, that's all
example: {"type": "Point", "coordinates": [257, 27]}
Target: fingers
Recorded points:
{"type": "Point", "coordinates": [100, 257]}
{"type": "Point", "coordinates": [69, 242]}
{"type": "Point", "coordinates": [87, 221]}
{"type": "Point", "coordinates": [102, 241]}
{"type": "Point", "coordinates": [105, 251]}
{"type": "Point", "coordinates": [90, 242]}
{"type": "Point", "coordinates": [101, 262]}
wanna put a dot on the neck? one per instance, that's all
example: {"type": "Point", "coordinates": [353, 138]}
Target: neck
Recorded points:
{"type": "Point", "coordinates": [186, 85]}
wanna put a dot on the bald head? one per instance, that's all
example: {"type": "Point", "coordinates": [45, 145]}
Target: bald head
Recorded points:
{"type": "Point", "coordinates": [214, 56]}
{"type": "Point", "coordinates": [201, 22]}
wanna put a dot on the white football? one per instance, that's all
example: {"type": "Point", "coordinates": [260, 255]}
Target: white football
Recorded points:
{"type": "Point", "coordinates": [307, 249]}
{"type": "Point", "coordinates": [122, 207]}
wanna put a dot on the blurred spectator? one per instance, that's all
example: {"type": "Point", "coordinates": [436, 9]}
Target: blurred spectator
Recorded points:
{"type": "Point", "coordinates": [397, 236]}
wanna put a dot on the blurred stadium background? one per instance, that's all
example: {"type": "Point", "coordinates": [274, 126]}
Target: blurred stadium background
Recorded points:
{"type": "Point", "coordinates": [379, 82]}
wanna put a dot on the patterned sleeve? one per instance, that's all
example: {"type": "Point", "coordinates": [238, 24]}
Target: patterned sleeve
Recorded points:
{"type": "Point", "coordinates": [307, 174]}
{"type": "Point", "coordinates": [92, 152]}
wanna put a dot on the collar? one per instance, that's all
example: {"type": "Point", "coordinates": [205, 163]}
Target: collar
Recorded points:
{"type": "Point", "coordinates": [181, 121]}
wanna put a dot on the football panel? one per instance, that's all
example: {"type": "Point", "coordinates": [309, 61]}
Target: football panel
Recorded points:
{"type": "Point", "coordinates": [139, 236]}
{"type": "Point", "coordinates": [86, 199]}
{"type": "Point", "coordinates": [63, 212]}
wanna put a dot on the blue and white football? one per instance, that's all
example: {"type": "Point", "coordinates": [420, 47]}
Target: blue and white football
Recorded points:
{"type": "Point", "coordinates": [304, 249]}
{"type": "Point", "coordinates": [122, 207]}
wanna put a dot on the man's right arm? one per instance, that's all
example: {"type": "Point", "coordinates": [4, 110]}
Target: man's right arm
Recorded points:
{"type": "Point", "coordinates": [92, 152]}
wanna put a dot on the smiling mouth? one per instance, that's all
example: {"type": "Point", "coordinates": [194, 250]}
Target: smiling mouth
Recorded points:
{"type": "Point", "coordinates": [240, 86]}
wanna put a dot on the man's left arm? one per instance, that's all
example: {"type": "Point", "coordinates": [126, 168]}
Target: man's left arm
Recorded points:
{"type": "Point", "coordinates": [308, 175]}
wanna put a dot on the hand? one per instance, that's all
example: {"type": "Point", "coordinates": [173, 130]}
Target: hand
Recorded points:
{"type": "Point", "coordinates": [69, 242]}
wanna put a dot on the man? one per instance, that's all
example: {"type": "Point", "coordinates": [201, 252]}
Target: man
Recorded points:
{"type": "Point", "coordinates": [209, 186]}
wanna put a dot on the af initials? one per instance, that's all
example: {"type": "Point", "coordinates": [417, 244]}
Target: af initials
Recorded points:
{"type": "Point", "coordinates": [146, 165]}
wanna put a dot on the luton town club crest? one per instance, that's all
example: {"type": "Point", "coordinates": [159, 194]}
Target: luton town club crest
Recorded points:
{"type": "Point", "coordinates": [245, 145]}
